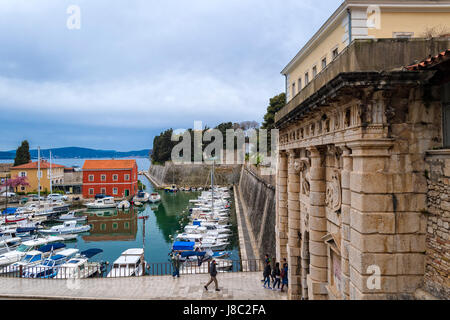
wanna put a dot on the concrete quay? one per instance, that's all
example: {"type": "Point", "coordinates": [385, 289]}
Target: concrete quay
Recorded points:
{"type": "Point", "coordinates": [233, 286]}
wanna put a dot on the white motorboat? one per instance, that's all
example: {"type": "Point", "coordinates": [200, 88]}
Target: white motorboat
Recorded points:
{"type": "Point", "coordinates": [154, 197]}
{"type": "Point", "coordinates": [44, 208]}
{"type": "Point", "coordinates": [49, 267]}
{"type": "Point", "coordinates": [106, 202]}
{"type": "Point", "coordinates": [10, 257]}
{"type": "Point", "coordinates": [34, 257]}
{"type": "Point", "coordinates": [204, 242]}
{"type": "Point", "coordinates": [71, 216]}
{"type": "Point", "coordinates": [129, 264]}
{"type": "Point", "coordinates": [79, 267]}
{"type": "Point", "coordinates": [124, 204]}
{"type": "Point", "coordinates": [192, 267]}
{"type": "Point", "coordinates": [141, 196]}
{"type": "Point", "coordinates": [9, 244]}
{"type": "Point", "coordinates": [68, 227]}
{"type": "Point", "coordinates": [218, 233]}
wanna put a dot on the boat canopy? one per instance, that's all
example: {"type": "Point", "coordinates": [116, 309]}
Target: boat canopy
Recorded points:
{"type": "Point", "coordinates": [197, 223]}
{"type": "Point", "coordinates": [25, 229]}
{"type": "Point", "coordinates": [193, 253]}
{"type": "Point", "coordinates": [50, 247]}
{"type": "Point", "coordinates": [9, 211]}
{"type": "Point", "coordinates": [183, 245]}
{"type": "Point", "coordinates": [89, 253]}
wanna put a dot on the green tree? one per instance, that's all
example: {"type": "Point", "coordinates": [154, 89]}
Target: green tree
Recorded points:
{"type": "Point", "coordinates": [22, 154]}
{"type": "Point", "coordinates": [275, 104]}
{"type": "Point", "coordinates": [162, 147]}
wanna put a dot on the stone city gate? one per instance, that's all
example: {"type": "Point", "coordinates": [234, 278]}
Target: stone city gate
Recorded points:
{"type": "Point", "coordinates": [351, 188]}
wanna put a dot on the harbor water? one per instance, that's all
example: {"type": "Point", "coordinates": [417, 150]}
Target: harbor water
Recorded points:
{"type": "Point", "coordinates": [114, 230]}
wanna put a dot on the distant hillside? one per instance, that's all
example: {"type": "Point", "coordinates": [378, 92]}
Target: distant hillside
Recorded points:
{"type": "Point", "coordinates": [76, 152]}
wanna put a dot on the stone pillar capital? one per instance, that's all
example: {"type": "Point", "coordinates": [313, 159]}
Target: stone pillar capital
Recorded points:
{"type": "Point", "coordinates": [346, 151]}
{"type": "Point", "coordinates": [367, 148]}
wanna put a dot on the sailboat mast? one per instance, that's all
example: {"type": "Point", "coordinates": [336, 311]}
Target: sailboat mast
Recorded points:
{"type": "Point", "coordinates": [39, 176]}
{"type": "Point", "coordinates": [51, 184]}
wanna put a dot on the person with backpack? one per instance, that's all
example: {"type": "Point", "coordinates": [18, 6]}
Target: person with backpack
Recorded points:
{"type": "Point", "coordinates": [213, 274]}
{"type": "Point", "coordinates": [267, 272]}
{"type": "Point", "coordinates": [284, 276]}
{"type": "Point", "coordinates": [276, 274]}
{"type": "Point", "coordinates": [176, 264]}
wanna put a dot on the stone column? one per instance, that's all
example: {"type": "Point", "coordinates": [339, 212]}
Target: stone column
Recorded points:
{"type": "Point", "coordinates": [347, 168]}
{"type": "Point", "coordinates": [372, 259]}
{"type": "Point", "coordinates": [294, 292]}
{"type": "Point", "coordinates": [317, 278]}
{"type": "Point", "coordinates": [281, 207]}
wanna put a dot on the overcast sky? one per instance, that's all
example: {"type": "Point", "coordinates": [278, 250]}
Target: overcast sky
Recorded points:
{"type": "Point", "coordinates": [137, 67]}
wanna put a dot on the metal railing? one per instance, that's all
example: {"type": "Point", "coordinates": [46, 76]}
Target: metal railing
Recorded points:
{"type": "Point", "coordinates": [105, 270]}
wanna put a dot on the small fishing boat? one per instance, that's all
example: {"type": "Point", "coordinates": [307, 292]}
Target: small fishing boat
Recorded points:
{"type": "Point", "coordinates": [130, 263]}
{"type": "Point", "coordinates": [124, 204]}
{"type": "Point", "coordinates": [141, 196]}
{"type": "Point", "coordinates": [69, 227]}
{"type": "Point", "coordinates": [106, 202]}
{"type": "Point", "coordinates": [154, 197]}
{"type": "Point", "coordinates": [138, 204]}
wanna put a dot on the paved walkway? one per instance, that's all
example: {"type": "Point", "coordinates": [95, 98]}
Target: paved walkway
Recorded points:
{"type": "Point", "coordinates": [234, 286]}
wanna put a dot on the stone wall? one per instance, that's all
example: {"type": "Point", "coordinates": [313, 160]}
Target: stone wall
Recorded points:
{"type": "Point", "coordinates": [258, 197]}
{"type": "Point", "coordinates": [436, 279]}
{"type": "Point", "coordinates": [194, 175]}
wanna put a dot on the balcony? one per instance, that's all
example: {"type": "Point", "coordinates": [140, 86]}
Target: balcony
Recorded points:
{"type": "Point", "coordinates": [373, 55]}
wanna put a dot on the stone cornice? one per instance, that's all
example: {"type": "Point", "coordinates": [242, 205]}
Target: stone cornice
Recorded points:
{"type": "Point", "coordinates": [373, 80]}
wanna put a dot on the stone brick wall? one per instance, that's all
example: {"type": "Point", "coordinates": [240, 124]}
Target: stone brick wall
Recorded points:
{"type": "Point", "coordinates": [259, 200]}
{"type": "Point", "coordinates": [436, 278]}
{"type": "Point", "coordinates": [194, 175]}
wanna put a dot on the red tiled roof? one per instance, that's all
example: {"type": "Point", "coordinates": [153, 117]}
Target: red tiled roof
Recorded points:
{"type": "Point", "coordinates": [431, 61]}
{"type": "Point", "coordinates": [33, 165]}
{"type": "Point", "coordinates": [108, 164]}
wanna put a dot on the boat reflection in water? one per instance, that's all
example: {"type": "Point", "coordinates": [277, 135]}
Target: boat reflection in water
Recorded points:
{"type": "Point", "coordinates": [112, 225]}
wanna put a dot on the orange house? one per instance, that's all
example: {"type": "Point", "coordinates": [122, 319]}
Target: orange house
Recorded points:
{"type": "Point", "coordinates": [117, 178]}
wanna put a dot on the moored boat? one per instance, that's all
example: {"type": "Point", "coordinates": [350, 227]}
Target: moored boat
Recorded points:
{"type": "Point", "coordinates": [106, 202]}
{"type": "Point", "coordinates": [130, 263]}
{"type": "Point", "coordinates": [68, 227]}
{"type": "Point", "coordinates": [154, 197]}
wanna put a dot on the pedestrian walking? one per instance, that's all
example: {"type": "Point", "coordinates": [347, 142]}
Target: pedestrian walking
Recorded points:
{"type": "Point", "coordinates": [272, 266]}
{"type": "Point", "coordinates": [266, 274]}
{"type": "Point", "coordinates": [213, 274]}
{"type": "Point", "coordinates": [276, 274]}
{"type": "Point", "coordinates": [284, 276]}
{"type": "Point", "coordinates": [176, 264]}
{"type": "Point", "coordinates": [266, 260]}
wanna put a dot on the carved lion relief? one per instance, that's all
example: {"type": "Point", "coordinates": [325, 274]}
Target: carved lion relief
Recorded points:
{"type": "Point", "coordinates": [333, 196]}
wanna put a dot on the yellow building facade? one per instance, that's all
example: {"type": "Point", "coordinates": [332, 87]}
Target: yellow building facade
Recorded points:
{"type": "Point", "coordinates": [55, 175]}
{"type": "Point", "coordinates": [360, 19]}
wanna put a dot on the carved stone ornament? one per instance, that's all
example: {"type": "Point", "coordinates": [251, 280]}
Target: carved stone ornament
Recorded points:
{"type": "Point", "coordinates": [333, 196]}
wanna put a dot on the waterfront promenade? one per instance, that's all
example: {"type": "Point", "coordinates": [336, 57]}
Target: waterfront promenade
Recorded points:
{"type": "Point", "coordinates": [234, 286]}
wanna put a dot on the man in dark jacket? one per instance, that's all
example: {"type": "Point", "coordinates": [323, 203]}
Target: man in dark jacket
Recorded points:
{"type": "Point", "coordinates": [267, 272]}
{"type": "Point", "coordinates": [213, 274]}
